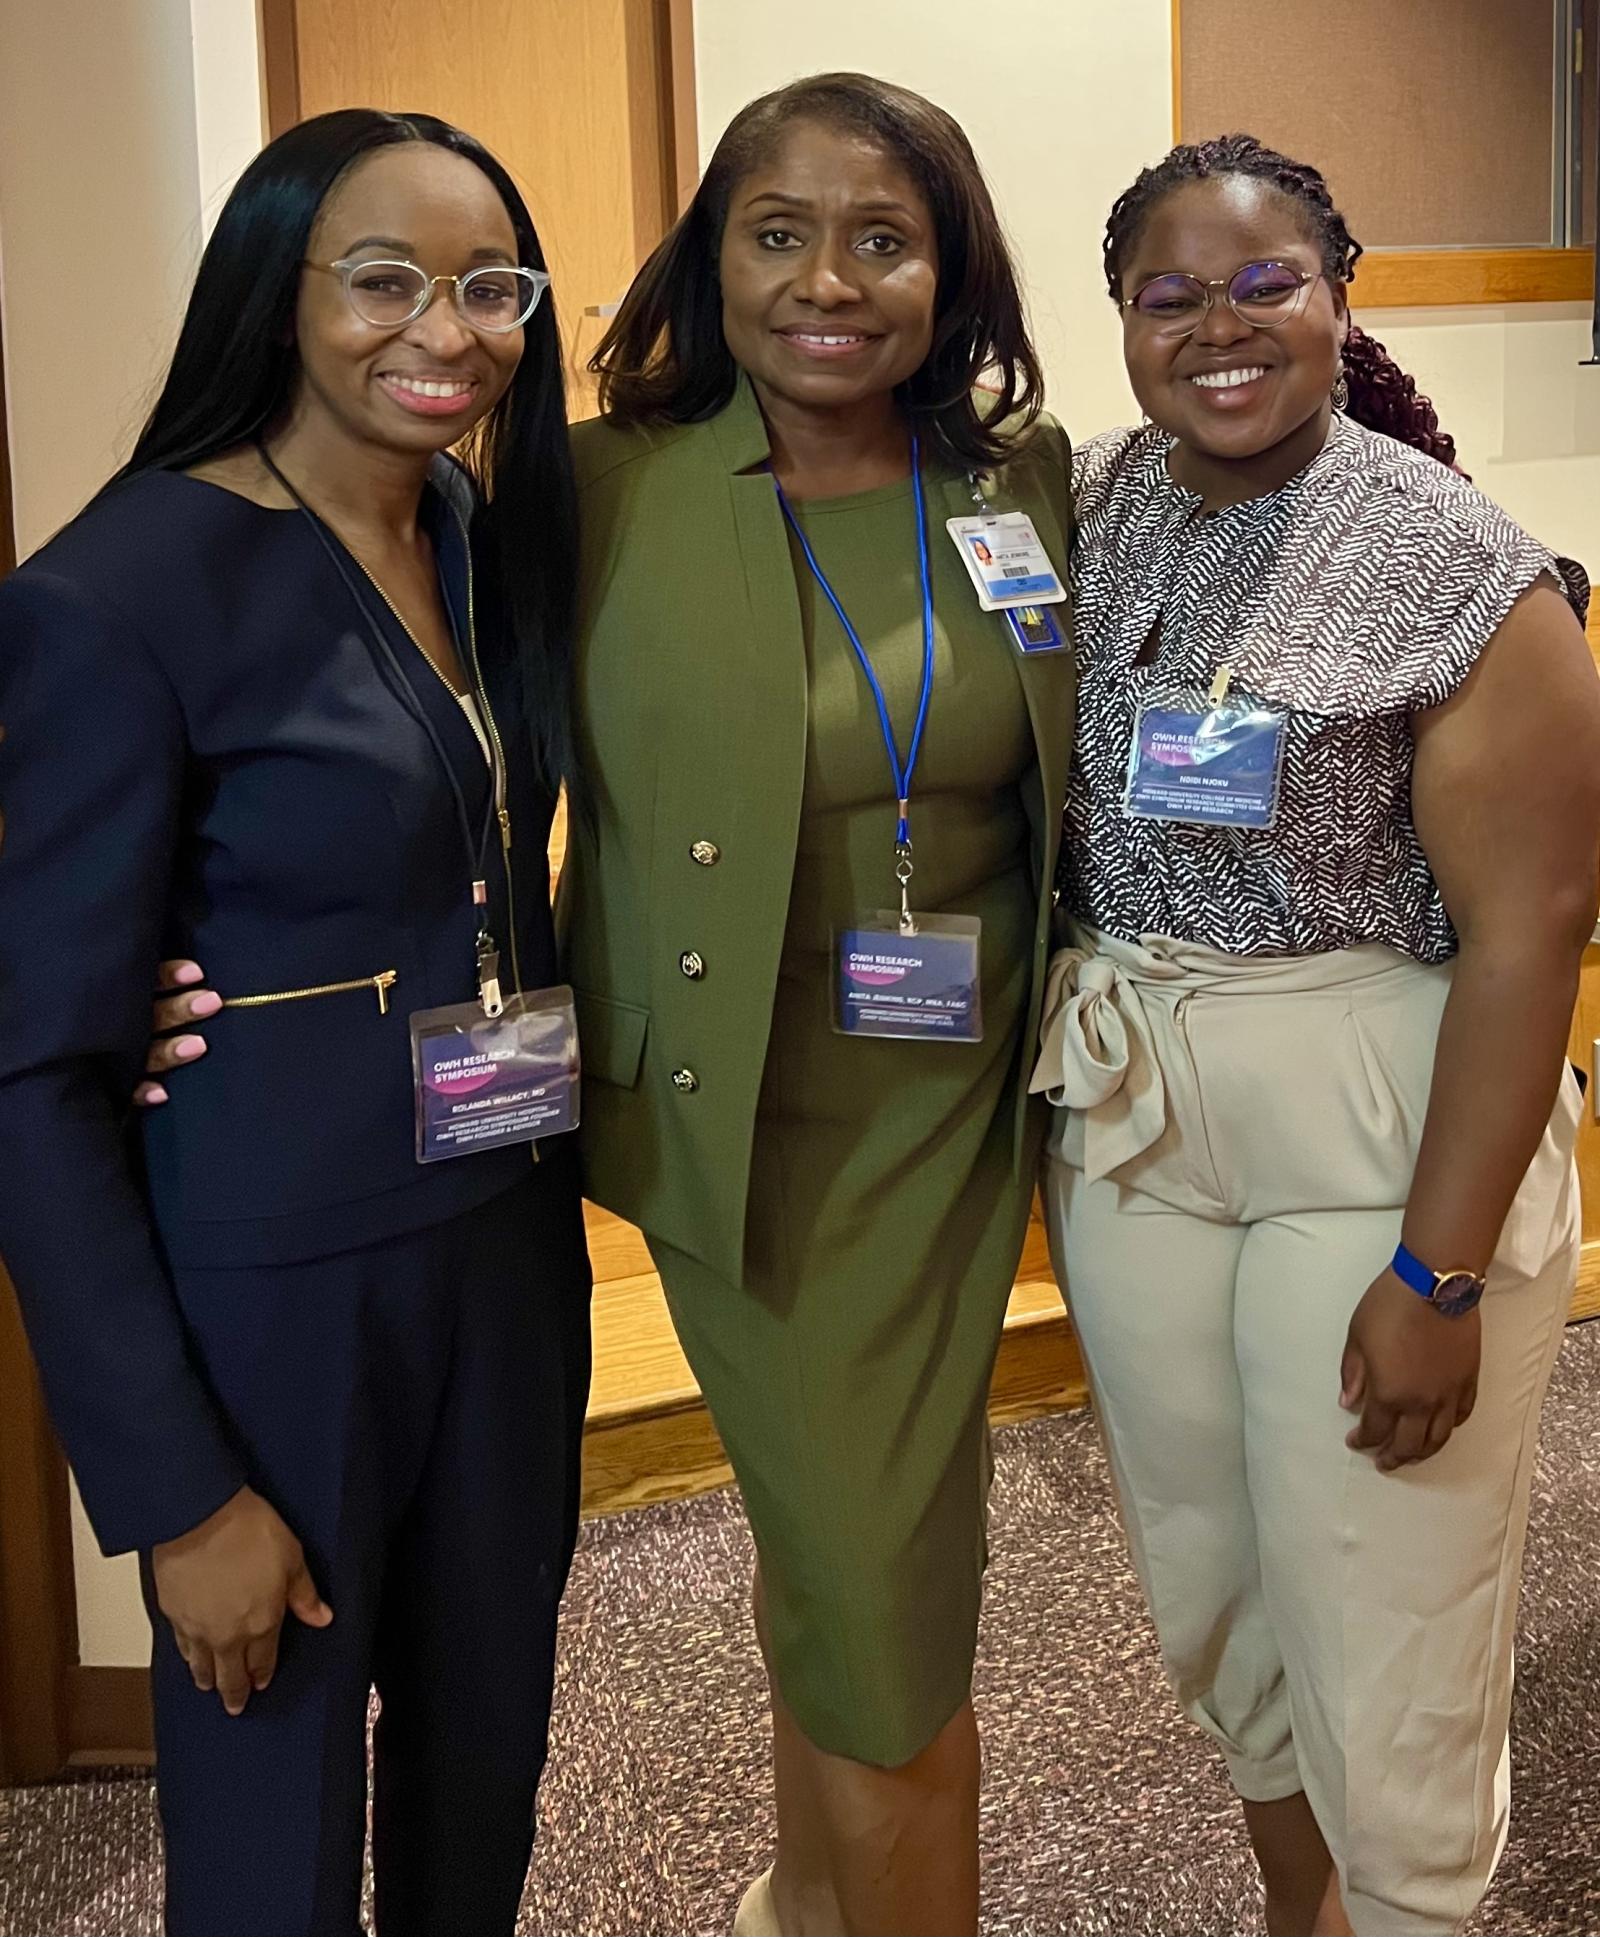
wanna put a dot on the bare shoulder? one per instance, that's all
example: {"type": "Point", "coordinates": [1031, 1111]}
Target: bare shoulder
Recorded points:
{"type": "Point", "coordinates": [1541, 634]}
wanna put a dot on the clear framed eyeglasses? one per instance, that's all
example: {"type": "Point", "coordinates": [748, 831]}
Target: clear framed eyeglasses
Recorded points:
{"type": "Point", "coordinates": [1263, 294]}
{"type": "Point", "coordinates": [390, 294]}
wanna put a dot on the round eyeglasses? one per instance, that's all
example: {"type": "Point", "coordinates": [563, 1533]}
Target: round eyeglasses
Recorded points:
{"type": "Point", "coordinates": [388, 295]}
{"type": "Point", "coordinates": [1263, 294]}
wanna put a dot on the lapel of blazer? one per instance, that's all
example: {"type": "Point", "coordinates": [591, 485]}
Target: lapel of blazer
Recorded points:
{"type": "Point", "coordinates": [771, 653]}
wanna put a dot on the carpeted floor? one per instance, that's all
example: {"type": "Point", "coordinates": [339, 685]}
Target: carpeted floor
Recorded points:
{"type": "Point", "coordinates": [1102, 1812]}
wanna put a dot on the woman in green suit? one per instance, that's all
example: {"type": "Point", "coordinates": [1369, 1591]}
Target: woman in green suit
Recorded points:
{"type": "Point", "coordinates": [789, 421]}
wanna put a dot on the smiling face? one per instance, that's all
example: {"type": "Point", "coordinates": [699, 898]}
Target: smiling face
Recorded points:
{"type": "Point", "coordinates": [1233, 393]}
{"type": "Point", "coordinates": [419, 388]}
{"type": "Point", "coordinates": [830, 272]}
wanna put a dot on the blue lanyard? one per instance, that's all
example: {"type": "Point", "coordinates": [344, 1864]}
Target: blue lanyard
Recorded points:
{"type": "Point", "coordinates": [902, 774]}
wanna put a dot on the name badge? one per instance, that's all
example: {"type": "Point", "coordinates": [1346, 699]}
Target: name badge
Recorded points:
{"type": "Point", "coordinates": [1006, 560]}
{"type": "Point", "coordinates": [483, 1081]}
{"type": "Point", "coordinates": [924, 985]}
{"type": "Point", "coordinates": [1216, 767]}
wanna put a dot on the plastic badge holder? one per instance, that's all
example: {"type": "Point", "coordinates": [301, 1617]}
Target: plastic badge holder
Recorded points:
{"type": "Point", "coordinates": [482, 1082]}
{"type": "Point", "coordinates": [923, 986]}
{"type": "Point", "coordinates": [1218, 764]}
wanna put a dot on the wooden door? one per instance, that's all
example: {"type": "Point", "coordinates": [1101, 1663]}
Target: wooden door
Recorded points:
{"type": "Point", "coordinates": [583, 100]}
{"type": "Point", "coordinates": [37, 1623]}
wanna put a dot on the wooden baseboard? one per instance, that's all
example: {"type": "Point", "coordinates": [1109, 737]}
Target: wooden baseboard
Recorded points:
{"type": "Point", "coordinates": [1039, 1368]}
{"type": "Point", "coordinates": [1586, 1299]}
{"type": "Point", "coordinates": [109, 1723]}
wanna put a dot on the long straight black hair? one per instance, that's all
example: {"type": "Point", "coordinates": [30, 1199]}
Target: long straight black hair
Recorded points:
{"type": "Point", "coordinates": [231, 375]}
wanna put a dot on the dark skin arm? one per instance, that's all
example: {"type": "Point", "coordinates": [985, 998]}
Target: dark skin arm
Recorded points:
{"type": "Point", "coordinates": [1506, 800]}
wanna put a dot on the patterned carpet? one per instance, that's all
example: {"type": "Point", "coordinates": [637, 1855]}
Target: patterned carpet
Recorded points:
{"type": "Point", "coordinates": [1102, 1812]}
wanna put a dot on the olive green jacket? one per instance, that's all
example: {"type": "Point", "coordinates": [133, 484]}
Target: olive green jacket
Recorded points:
{"type": "Point", "coordinates": [691, 691]}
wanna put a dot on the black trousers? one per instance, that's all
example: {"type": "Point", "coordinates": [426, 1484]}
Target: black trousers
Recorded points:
{"type": "Point", "coordinates": [414, 1410]}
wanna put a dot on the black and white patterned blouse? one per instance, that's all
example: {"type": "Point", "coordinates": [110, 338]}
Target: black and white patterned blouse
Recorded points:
{"type": "Point", "coordinates": [1360, 593]}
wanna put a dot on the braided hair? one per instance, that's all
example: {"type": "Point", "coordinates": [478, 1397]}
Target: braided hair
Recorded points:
{"type": "Point", "coordinates": [1382, 396]}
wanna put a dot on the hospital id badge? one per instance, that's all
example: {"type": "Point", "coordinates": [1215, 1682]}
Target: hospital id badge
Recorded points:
{"type": "Point", "coordinates": [484, 1081]}
{"type": "Point", "coordinates": [1218, 766]}
{"type": "Point", "coordinates": [1006, 560]}
{"type": "Point", "coordinates": [924, 984]}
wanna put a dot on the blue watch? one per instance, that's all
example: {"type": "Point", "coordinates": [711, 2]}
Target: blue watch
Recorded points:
{"type": "Point", "coordinates": [1451, 1293]}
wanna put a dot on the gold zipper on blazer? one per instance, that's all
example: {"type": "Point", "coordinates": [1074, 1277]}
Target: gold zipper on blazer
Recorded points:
{"type": "Point", "coordinates": [381, 984]}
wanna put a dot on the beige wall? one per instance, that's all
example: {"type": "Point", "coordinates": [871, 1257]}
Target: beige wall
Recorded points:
{"type": "Point", "coordinates": [1065, 101]}
{"type": "Point", "coordinates": [1527, 419]}
{"type": "Point", "coordinates": [122, 123]}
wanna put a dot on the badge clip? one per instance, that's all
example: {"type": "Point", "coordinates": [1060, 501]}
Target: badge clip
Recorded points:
{"type": "Point", "coordinates": [1220, 685]}
{"type": "Point", "coordinates": [903, 868]}
{"type": "Point", "coordinates": [489, 975]}
{"type": "Point", "coordinates": [903, 871]}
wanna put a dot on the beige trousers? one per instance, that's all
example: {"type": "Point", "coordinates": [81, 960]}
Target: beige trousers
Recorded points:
{"type": "Point", "coordinates": [1226, 1177]}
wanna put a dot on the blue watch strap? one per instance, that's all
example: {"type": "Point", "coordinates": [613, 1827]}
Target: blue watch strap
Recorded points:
{"type": "Point", "coordinates": [1410, 1270]}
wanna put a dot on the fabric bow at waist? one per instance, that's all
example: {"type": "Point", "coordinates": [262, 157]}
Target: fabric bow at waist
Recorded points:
{"type": "Point", "coordinates": [1096, 1056]}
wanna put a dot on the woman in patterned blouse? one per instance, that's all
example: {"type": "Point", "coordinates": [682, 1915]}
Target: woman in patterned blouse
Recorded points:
{"type": "Point", "coordinates": [1330, 859]}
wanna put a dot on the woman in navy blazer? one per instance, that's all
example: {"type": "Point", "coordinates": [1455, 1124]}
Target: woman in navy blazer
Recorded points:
{"type": "Point", "coordinates": [257, 699]}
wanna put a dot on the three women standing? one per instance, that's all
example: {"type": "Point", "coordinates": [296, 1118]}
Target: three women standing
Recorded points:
{"type": "Point", "coordinates": [787, 696]}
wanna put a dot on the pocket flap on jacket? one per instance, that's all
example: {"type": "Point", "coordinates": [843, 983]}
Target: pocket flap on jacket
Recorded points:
{"type": "Point", "coordinates": [610, 1038]}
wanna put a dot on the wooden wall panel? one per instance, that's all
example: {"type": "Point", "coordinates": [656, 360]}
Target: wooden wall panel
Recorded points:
{"type": "Point", "coordinates": [1589, 83]}
{"type": "Point", "coordinates": [38, 1618]}
{"type": "Point", "coordinates": [280, 64]}
{"type": "Point", "coordinates": [685, 114]}
{"type": "Point", "coordinates": [1433, 122]}
{"type": "Point", "coordinates": [575, 96]}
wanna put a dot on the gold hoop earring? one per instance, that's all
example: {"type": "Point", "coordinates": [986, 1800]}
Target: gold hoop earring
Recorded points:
{"type": "Point", "coordinates": [1341, 392]}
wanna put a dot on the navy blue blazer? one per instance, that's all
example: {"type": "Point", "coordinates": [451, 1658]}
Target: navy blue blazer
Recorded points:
{"type": "Point", "coordinates": [206, 753]}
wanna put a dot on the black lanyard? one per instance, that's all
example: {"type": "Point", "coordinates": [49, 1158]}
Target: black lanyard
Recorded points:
{"type": "Point", "coordinates": [339, 556]}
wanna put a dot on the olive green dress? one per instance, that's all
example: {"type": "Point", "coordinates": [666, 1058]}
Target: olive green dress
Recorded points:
{"type": "Point", "coordinates": [849, 1372]}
